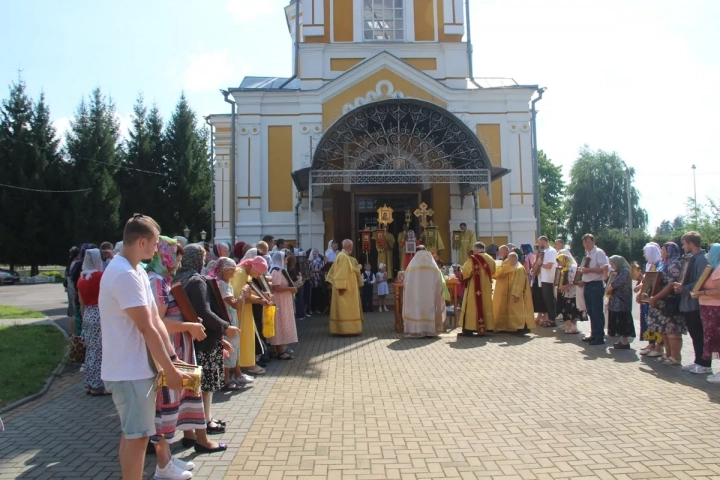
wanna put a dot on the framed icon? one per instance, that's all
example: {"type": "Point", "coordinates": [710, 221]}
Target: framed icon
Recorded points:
{"type": "Point", "coordinates": [558, 277]}
{"type": "Point", "coordinates": [608, 284]}
{"type": "Point", "coordinates": [650, 286]}
{"type": "Point", "coordinates": [410, 247]}
{"type": "Point", "coordinates": [685, 269]}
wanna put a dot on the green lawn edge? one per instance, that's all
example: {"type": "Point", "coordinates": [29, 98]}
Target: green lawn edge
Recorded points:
{"type": "Point", "coordinates": [8, 312]}
{"type": "Point", "coordinates": [28, 354]}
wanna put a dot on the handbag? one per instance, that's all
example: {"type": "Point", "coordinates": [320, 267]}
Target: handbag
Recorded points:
{"type": "Point", "coordinates": [268, 327]}
{"type": "Point", "coordinates": [77, 350]}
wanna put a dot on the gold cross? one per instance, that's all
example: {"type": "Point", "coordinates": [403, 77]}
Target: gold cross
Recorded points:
{"type": "Point", "coordinates": [423, 212]}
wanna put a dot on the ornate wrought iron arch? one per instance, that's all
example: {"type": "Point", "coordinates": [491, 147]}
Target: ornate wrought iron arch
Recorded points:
{"type": "Point", "coordinates": [400, 141]}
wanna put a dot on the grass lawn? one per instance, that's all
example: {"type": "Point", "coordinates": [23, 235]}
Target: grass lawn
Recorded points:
{"type": "Point", "coordinates": [28, 355]}
{"type": "Point", "coordinates": [8, 313]}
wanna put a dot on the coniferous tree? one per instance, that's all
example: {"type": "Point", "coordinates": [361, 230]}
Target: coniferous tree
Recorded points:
{"type": "Point", "coordinates": [19, 169]}
{"type": "Point", "coordinates": [95, 155]}
{"type": "Point", "coordinates": [187, 164]}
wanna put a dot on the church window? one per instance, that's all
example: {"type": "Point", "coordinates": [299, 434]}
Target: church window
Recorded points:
{"type": "Point", "coordinates": [383, 20]}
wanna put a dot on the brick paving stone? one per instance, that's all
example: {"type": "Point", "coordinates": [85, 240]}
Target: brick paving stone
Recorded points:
{"type": "Point", "coordinates": [381, 407]}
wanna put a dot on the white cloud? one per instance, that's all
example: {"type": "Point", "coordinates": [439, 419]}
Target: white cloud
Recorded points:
{"type": "Point", "coordinates": [62, 125]}
{"type": "Point", "coordinates": [211, 70]}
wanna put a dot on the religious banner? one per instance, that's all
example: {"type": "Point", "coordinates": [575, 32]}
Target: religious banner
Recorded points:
{"type": "Point", "coordinates": [366, 236]}
{"type": "Point", "coordinates": [385, 216]}
{"type": "Point", "coordinates": [408, 217]}
{"type": "Point", "coordinates": [380, 240]}
{"type": "Point", "coordinates": [431, 234]}
{"type": "Point", "coordinates": [456, 240]}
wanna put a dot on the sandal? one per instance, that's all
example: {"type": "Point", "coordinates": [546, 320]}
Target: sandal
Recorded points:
{"type": "Point", "coordinates": [99, 392]}
{"type": "Point", "coordinates": [572, 331]}
{"type": "Point", "coordinates": [217, 429]}
{"type": "Point", "coordinates": [285, 356]}
{"type": "Point", "coordinates": [230, 387]}
{"type": "Point", "coordinates": [256, 370]}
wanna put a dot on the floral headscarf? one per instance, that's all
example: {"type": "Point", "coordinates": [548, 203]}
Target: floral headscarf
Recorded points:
{"type": "Point", "coordinates": [92, 263]}
{"type": "Point", "coordinates": [673, 255]}
{"type": "Point", "coordinates": [252, 253]}
{"type": "Point", "coordinates": [714, 255]}
{"type": "Point", "coordinates": [192, 263]}
{"type": "Point", "coordinates": [223, 263]}
{"type": "Point", "coordinates": [165, 259]}
{"type": "Point", "coordinates": [566, 260]}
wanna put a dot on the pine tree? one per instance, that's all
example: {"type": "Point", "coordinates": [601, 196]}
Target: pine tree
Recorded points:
{"type": "Point", "coordinates": [19, 169]}
{"type": "Point", "coordinates": [188, 168]}
{"type": "Point", "coordinates": [94, 152]}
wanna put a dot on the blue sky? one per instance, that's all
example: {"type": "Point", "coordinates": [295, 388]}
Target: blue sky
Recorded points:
{"type": "Point", "coordinates": [640, 78]}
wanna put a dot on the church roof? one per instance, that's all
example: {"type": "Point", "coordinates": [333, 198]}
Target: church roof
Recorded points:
{"type": "Point", "coordinates": [269, 83]}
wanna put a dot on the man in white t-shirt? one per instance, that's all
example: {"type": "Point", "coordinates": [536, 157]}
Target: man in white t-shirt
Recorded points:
{"type": "Point", "coordinates": [547, 277]}
{"type": "Point", "coordinates": [132, 331]}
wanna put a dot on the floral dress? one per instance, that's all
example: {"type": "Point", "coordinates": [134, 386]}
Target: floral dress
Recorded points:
{"type": "Point", "coordinates": [620, 319]}
{"type": "Point", "coordinates": [285, 328]}
{"type": "Point", "coordinates": [659, 319]}
{"type": "Point", "coordinates": [567, 305]}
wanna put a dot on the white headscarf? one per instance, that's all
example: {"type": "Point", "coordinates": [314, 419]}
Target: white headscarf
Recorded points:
{"type": "Point", "coordinates": [277, 260]}
{"type": "Point", "coordinates": [92, 263]}
{"type": "Point", "coordinates": [252, 253]}
{"type": "Point", "coordinates": [567, 253]}
{"type": "Point", "coordinates": [118, 247]}
{"type": "Point", "coordinates": [181, 240]}
{"type": "Point", "coordinates": [653, 255]}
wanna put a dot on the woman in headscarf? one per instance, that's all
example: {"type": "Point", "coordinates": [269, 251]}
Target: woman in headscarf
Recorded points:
{"type": "Point", "coordinates": [567, 292]}
{"type": "Point", "coordinates": [620, 304]}
{"type": "Point", "coordinates": [283, 288]}
{"type": "Point", "coordinates": [176, 410]}
{"type": "Point", "coordinates": [248, 269]}
{"type": "Point", "coordinates": [209, 351]}
{"type": "Point", "coordinates": [293, 268]}
{"type": "Point", "coordinates": [664, 315]}
{"type": "Point", "coordinates": [653, 256]}
{"type": "Point", "coordinates": [88, 286]}
{"type": "Point", "coordinates": [238, 251]}
{"type": "Point", "coordinates": [709, 296]}
{"type": "Point", "coordinates": [74, 277]}
{"type": "Point", "coordinates": [317, 277]}
{"type": "Point", "coordinates": [250, 253]}
{"type": "Point", "coordinates": [69, 287]}
{"type": "Point", "coordinates": [223, 272]}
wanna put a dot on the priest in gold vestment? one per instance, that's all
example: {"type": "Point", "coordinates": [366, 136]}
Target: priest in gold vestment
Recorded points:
{"type": "Point", "coordinates": [476, 315]}
{"type": "Point", "coordinates": [467, 240]}
{"type": "Point", "coordinates": [386, 256]}
{"type": "Point", "coordinates": [424, 297]}
{"type": "Point", "coordinates": [438, 245]}
{"type": "Point", "coordinates": [345, 307]}
{"type": "Point", "coordinates": [501, 292]}
{"type": "Point", "coordinates": [520, 305]}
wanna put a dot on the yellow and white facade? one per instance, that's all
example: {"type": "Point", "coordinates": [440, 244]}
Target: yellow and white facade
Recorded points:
{"type": "Point", "coordinates": [358, 59]}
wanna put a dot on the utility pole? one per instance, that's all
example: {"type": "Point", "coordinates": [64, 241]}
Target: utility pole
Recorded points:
{"type": "Point", "coordinates": [629, 204]}
{"type": "Point", "coordinates": [695, 196]}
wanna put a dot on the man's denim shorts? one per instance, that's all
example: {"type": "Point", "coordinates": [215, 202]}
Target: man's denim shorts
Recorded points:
{"type": "Point", "coordinates": [134, 406]}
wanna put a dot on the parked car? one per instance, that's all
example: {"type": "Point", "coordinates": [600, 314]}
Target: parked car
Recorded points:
{"type": "Point", "coordinates": [9, 277]}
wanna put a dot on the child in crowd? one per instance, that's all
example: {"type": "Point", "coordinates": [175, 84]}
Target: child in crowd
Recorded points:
{"type": "Point", "coordinates": [368, 278]}
{"type": "Point", "coordinates": [382, 289]}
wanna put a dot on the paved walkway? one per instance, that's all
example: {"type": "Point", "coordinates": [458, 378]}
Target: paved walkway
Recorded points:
{"type": "Point", "coordinates": [380, 407]}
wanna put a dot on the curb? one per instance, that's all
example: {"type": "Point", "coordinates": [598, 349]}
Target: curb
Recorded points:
{"type": "Point", "coordinates": [51, 378]}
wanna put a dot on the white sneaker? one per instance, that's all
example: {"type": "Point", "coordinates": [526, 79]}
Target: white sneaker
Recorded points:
{"type": "Point", "coordinates": [244, 379]}
{"type": "Point", "coordinates": [714, 378]}
{"type": "Point", "coordinates": [82, 367]}
{"type": "Point", "coordinates": [689, 368]}
{"type": "Point", "coordinates": [183, 465]}
{"type": "Point", "coordinates": [700, 370]}
{"type": "Point", "coordinates": [171, 472]}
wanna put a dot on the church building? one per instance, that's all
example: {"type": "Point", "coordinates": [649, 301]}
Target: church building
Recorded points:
{"type": "Point", "coordinates": [381, 111]}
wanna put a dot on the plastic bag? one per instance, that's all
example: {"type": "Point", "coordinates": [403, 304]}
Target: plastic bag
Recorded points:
{"type": "Point", "coordinates": [268, 329]}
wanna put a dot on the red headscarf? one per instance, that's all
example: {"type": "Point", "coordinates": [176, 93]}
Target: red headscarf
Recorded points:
{"type": "Point", "coordinates": [238, 250]}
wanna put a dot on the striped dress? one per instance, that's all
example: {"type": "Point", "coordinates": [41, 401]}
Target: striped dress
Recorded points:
{"type": "Point", "coordinates": [175, 410]}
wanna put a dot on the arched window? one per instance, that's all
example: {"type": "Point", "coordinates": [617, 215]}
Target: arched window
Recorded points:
{"type": "Point", "coordinates": [383, 20]}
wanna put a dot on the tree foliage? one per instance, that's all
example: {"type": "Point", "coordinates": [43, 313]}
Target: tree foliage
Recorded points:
{"type": "Point", "coordinates": [597, 196]}
{"type": "Point", "coordinates": [707, 224]}
{"type": "Point", "coordinates": [552, 194]}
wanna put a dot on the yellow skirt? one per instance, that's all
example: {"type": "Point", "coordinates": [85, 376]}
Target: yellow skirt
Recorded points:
{"type": "Point", "coordinates": [246, 358]}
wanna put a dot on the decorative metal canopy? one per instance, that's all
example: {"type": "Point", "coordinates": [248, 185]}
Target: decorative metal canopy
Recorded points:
{"type": "Point", "coordinates": [399, 141]}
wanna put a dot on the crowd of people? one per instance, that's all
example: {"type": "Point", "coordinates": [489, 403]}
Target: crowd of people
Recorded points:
{"type": "Point", "coordinates": [153, 304]}
{"type": "Point", "coordinates": [141, 295]}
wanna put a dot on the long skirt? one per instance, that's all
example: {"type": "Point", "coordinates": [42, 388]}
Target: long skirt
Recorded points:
{"type": "Point", "coordinates": [537, 298]}
{"type": "Point", "coordinates": [710, 316]}
{"type": "Point", "coordinates": [318, 299]}
{"type": "Point", "coordinates": [93, 344]}
{"type": "Point", "coordinates": [232, 359]}
{"type": "Point", "coordinates": [178, 410]}
{"type": "Point", "coordinates": [567, 307]}
{"type": "Point", "coordinates": [300, 305]}
{"type": "Point", "coordinates": [213, 377]}
{"type": "Point", "coordinates": [623, 324]}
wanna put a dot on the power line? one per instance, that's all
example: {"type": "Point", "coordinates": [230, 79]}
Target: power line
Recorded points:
{"type": "Point", "coordinates": [44, 191]}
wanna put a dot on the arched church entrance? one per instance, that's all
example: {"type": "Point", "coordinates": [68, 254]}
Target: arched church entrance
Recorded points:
{"type": "Point", "coordinates": [398, 153]}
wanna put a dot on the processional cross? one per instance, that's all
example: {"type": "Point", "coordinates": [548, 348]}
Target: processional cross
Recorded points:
{"type": "Point", "coordinates": [423, 213]}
